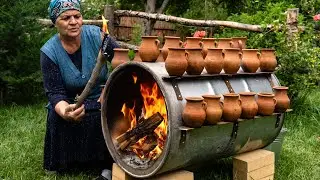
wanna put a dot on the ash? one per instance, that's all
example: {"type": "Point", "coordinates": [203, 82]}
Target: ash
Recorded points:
{"type": "Point", "coordinates": [137, 163]}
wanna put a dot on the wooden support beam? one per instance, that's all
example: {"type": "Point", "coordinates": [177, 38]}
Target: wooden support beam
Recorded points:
{"type": "Point", "coordinates": [119, 174]}
{"type": "Point", "coordinates": [109, 15]}
{"type": "Point", "coordinates": [292, 26]}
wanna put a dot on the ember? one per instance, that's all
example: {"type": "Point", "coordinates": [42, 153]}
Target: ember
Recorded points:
{"type": "Point", "coordinates": [154, 110]}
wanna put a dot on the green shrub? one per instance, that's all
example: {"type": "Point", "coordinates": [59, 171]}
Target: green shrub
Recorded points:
{"type": "Point", "coordinates": [21, 39]}
{"type": "Point", "coordinates": [298, 59]}
{"type": "Point", "coordinates": [136, 34]}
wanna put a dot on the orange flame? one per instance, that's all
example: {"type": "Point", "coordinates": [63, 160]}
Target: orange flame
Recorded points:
{"type": "Point", "coordinates": [105, 25]}
{"type": "Point", "coordinates": [135, 78]}
{"type": "Point", "coordinates": [129, 114]}
{"type": "Point", "coordinates": [153, 102]}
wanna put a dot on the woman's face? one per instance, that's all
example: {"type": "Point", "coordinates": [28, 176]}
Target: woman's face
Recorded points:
{"type": "Point", "coordinates": [69, 23]}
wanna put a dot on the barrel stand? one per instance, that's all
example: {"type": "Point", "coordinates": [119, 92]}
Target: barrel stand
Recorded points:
{"type": "Point", "coordinates": [119, 174]}
{"type": "Point", "coordinates": [254, 165]}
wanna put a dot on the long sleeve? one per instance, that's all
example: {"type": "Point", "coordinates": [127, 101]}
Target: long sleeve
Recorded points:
{"type": "Point", "coordinates": [54, 86]}
{"type": "Point", "coordinates": [52, 81]}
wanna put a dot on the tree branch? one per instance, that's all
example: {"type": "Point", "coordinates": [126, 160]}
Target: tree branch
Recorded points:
{"type": "Point", "coordinates": [163, 6]}
{"type": "Point", "coordinates": [127, 46]}
{"type": "Point", "coordinates": [47, 22]}
{"type": "Point", "coordinates": [190, 22]}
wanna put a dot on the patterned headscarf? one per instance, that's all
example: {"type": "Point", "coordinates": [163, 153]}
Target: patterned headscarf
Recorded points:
{"type": "Point", "coordinates": [57, 7]}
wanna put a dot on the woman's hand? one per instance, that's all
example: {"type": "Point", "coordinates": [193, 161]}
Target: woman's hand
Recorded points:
{"type": "Point", "coordinates": [74, 114]}
{"type": "Point", "coordinates": [68, 111]}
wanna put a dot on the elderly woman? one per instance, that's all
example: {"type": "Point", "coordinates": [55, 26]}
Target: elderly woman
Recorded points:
{"type": "Point", "coordinates": [73, 138]}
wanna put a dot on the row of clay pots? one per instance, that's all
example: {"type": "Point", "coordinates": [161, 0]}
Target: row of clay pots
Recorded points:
{"type": "Point", "coordinates": [204, 43]}
{"type": "Point", "coordinates": [190, 60]}
{"type": "Point", "coordinates": [209, 108]}
{"type": "Point", "coordinates": [149, 49]}
{"type": "Point", "coordinates": [221, 43]}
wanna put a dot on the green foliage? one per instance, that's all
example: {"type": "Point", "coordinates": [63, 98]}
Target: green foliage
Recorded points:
{"type": "Point", "coordinates": [21, 39]}
{"type": "Point", "coordinates": [298, 59]}
{"type": "Point", "coordinates": [93, 9]}
{"type": "Point", "coordinates": [136, 34]}
{"type": "Point", "coordinates": [23, 130]}
{"type": "Point", "coordinates": [131, 54]}
{"type": "Point", "coordinates": [206, 10]}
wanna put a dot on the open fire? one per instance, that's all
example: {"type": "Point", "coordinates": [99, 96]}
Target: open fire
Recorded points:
{"type": "Point", "coordinates": [151, 145]}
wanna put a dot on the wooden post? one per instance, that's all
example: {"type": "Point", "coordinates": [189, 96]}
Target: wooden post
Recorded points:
{"type": "Point", "coordinates": [109, 15]}
{"type": "Point", "coordinates": [292, 25]}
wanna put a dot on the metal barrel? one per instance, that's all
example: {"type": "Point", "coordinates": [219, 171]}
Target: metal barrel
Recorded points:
{"type": "Point", "coordinates": [187, 146]}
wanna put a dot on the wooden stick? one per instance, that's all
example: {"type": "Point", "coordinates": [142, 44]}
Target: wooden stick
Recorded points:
{"type": "Point", "coordinates": [92, 81]}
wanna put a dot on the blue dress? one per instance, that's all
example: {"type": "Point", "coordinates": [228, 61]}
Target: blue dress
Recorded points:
{"type": "Point", "coordinates": [67, 144]}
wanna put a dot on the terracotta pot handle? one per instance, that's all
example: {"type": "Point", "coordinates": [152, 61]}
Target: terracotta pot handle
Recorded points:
{"type": "Point", "coordinates": [275, 101]}
{"type": "Point", "coordinates": [201, 44]}
{"type": "Point", "coordinates": [202, 54]}
{"type": "Point", "coordinates": [215, 44]}
{"type": "Point", "coordinates": [221, 104]}
{"type": "Point", "coordinates": [157, 42]}
{"type": "Point", "coordinates": [180, 43]}
{"type": "Point", "coordinates": [239, 102]}
{"type": "Point", "coordinates": [259, 55]}
{"type": "Point", "coordinates": [187, 55]}
{"type": "Point", "coordinates": [231, 44]}
{"type": "Point", "coordinates": [240, 44]}
{"type": "Point", "coordinates": [204, 105]}
{"type": "Point", "coordinates": [240, 55]}
{"type": "Point", "coordinates": [223, 55]}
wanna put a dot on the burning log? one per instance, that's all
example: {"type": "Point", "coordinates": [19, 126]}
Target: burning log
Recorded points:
{"type": "Point", "coordinates": [142, 129]}
{"type": "Point", "coordinates": [149, 143]}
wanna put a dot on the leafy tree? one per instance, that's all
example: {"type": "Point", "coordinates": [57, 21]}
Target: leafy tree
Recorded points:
{"type": "Point", "coordinates": [21, 39]}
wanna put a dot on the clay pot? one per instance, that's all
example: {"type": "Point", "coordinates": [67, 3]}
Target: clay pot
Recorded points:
{"type": "Point", "coordinates": [266, 104]}
{"type": "Point", "coordinates": [231, 107]}
{"type": "Point", "coordinates": [176, 63]}
{"type": "Point", "coordinates": [250, 60]}
{"type": "Point", "coordinates": [170, 42]}
{"type": "Point", "coordinates": [283, 101]}
{"type": "Point", "coordinates": [149, 48]}
{"type": "Point", "coordinates": [193, 42]}
{"type": "Point", "coordinates": [239, 42]}
{"type": "Point", "coordinates": [214, 61]}
{"type": "Point", "coordinates": [224, 43]}
{"type": "Point", "coordinates": [231, 60]}
{"type": "Point", "coordinates": [268, 61]}
{"type": "Point", "coordinates": [120, 57]}
{"type": "Point", "coordinates": [195, 61]}
{"type": "Point", "coordinates": [208, 43]}
{"type": "Point", "coordinates": [249, 105]}
{"type": "Point", "coordinates": [137, 56]}
{"type": "Point", "coordinates": [194, 113]}
{"type": "Point", "coordinates": [214, 108]}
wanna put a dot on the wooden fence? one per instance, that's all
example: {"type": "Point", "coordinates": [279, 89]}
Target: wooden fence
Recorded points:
{"type": "Point", "coordinates": [122, 22]}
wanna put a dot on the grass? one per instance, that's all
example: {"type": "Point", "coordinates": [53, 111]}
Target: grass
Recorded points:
{"type": "Point", "coordinates": [22, 131]}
